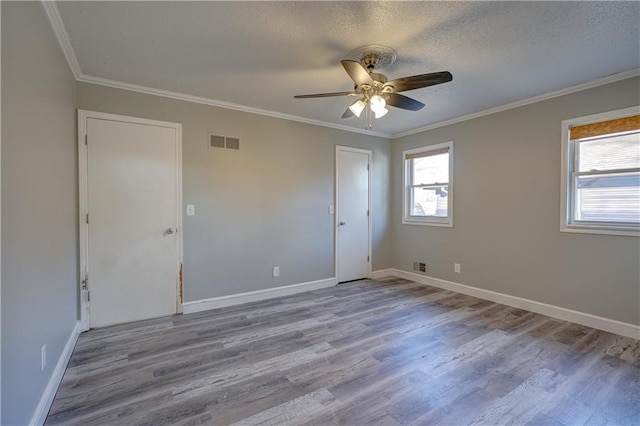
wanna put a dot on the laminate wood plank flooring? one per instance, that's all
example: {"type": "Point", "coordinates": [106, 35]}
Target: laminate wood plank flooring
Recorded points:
{"type": "Point", "coordinates": [390, 352]}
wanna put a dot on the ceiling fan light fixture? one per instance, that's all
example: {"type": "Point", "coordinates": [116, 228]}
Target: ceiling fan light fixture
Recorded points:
{"type": "Point", "coordinates": [357, 107]}
{"type": "Point", "coordinates": [380, 112]}
{"type": "Point", "coordinates": [378, 106]}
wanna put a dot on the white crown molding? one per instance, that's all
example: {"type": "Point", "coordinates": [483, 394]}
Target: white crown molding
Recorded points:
{"type": "Point", "coordinates": [222, 104]}
{"type": "Point", "coordinates": [55, 19]}
{"type": "Point", "coordinates": [52, 12]}
{"type": "Point", "coordinates": [543, 97]}
{"type": "Point", "coordinates": [582, 318]}
{"type": "Point", "coordinates": [57, 24]}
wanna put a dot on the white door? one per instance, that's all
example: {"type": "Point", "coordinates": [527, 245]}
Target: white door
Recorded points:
{"type": "Point", "coordinates": [352, 215]}
{"type": "Point", "coordinates": [132, 204]}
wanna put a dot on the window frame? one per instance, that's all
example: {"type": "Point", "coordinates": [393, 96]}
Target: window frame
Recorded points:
{"type": "Point", "coordinates": [407, 184]}
{"type": "Point", "coordinates": [569, 169]}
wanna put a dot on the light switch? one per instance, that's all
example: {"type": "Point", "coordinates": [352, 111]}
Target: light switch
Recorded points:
{"type": "Point", "coordinates": [191, 210]}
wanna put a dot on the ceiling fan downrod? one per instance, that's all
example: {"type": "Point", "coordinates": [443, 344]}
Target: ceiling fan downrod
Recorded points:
{"type": "Point", "coordinates": [370, 62]}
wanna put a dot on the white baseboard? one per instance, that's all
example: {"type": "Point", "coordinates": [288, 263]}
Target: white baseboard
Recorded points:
{"type": "Point", "coordinates": [582, 318]}
{"type": "Point", "coordinates": [382, 273]}
{"type": "Point", "coordinates": [40, 415]}
{"type": "Point", "coordinates": [254, 296]}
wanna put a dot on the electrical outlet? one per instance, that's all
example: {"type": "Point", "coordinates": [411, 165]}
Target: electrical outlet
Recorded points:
{"type": "Point", "coordinates": [43, 357]}
{"type": "Point", "coordinates": [276, 271]}
{"type": "Point", "coordinates": [456, 268]}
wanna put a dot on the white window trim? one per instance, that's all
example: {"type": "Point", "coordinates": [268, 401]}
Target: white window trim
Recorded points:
{"type": "Point", "coordinates": [566, 222]}
{"type": "Point", "coordinates": [427, 220]}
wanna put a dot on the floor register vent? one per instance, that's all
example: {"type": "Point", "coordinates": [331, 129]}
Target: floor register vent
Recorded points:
{"type": "Point", "coordinates": [419, 266]}
{"type": "Point", "coordinates": [224, 142]}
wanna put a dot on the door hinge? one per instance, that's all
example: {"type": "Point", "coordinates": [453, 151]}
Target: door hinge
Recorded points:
{"type": "Point", "coordinates": [181, 284]}
{"type": "Point", "coordinates": [85, 286]}
{"type": "Point", "coordinates": [85, 282]}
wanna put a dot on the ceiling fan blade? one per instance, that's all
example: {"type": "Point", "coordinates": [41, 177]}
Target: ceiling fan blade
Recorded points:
{"type": "Point", "coordinates": [358, 74]}
{"type": "Point", "coordinates": [348, 113]}
{"type": "Point", "coordinates": [401, 101]}
{"type": "Point", "coordinates": [324, 95]}
{"type": "Point", "coordinates": [418, 81]}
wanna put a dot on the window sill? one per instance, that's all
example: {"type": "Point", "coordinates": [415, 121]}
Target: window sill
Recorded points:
{"type": "Point", "coordinates": [601, 230]}
{"type": "Point", "coordinates": [446, 223]}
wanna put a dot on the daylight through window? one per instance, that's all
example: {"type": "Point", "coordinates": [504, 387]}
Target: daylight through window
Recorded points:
{"type": "Point", "coordinates": [602, 180]}
{"type": "Point", "coordinates": [428, 186]}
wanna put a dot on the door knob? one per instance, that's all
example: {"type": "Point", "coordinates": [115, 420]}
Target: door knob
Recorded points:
{"type": "Point", "coordinates": [342, 223]}
{"type": "Point", "coordinates": [168, 231]}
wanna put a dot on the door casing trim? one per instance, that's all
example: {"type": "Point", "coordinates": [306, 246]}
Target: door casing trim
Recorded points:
{"type": "Point", "coordinates": [369, 153]}
{"type": "Point", "coordinates": [83, 116]}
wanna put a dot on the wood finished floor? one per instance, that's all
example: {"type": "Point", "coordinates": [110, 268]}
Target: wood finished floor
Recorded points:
{"type": "Point", "coordinates": [371, 352]}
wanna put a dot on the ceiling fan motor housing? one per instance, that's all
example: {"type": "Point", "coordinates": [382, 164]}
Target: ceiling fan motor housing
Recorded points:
{"type": "Point", "coordinates": [378, 78]}
{"type": "Point", "coordinates": [373, 56]}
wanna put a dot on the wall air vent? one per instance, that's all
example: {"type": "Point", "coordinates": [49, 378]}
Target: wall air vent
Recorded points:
{"type": "Point", "coordinates": [216, 141]}
{"type": "Point", "coordinates": [232, 143]}
{"type": "Point", "coordinates": [224, 142]}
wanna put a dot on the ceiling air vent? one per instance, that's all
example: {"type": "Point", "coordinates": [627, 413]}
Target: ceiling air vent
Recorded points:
{"type": "Point", "coordinates": [224, 142]}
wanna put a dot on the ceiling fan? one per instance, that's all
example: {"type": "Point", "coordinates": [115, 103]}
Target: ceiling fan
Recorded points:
{"type": "Point", "coordinates": [373, 88]}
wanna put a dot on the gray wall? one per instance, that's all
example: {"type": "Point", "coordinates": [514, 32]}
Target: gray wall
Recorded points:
{"type": "Point", "coordinates": [264, 206]}
{"type": "Point", "coordinates": [39, 206]}
{"type": "Point", "coordinates": [267, 204]}
{"type": "Point", "coordinates": [507, 212]}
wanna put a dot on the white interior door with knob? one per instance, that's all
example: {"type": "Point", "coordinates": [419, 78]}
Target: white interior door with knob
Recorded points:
{"type": "Point", "coordinates": [132, 250]}
{"type": "Point", "coordinates": [353, 221]}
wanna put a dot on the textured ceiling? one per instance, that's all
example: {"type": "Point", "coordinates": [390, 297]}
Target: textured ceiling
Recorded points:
{"type": "Point", "coordinates": [261, 54]}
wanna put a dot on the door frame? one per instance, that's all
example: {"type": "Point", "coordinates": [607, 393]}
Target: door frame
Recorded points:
{"type": "Point", "coordinates": [369, 153]}
{"type": "Point", "coordinates": [83, 116]}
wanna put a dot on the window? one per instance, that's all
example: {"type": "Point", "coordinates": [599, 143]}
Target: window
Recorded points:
{"type": "Point", "coordinates": [428, 186]}
{"type": "Point", "coordinates": [601, 173]}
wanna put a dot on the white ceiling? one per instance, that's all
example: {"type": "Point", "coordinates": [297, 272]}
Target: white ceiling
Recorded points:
{"type": "Point", "coordinates": [261, 54]}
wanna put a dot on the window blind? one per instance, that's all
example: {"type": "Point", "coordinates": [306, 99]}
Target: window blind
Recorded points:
{"type": "Point", "coordinates": [429, 153]}
{"type": "Point", "coordinates": [608, 127]}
